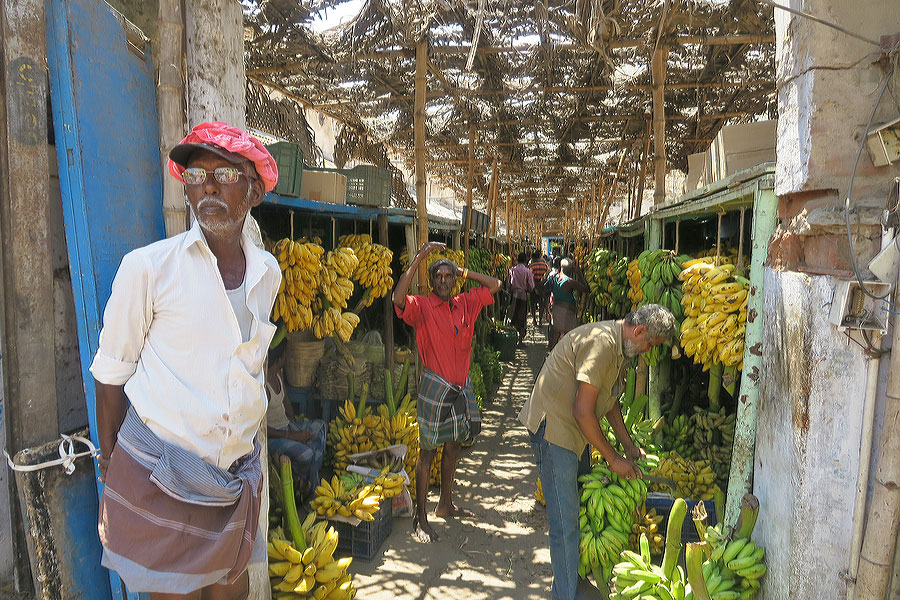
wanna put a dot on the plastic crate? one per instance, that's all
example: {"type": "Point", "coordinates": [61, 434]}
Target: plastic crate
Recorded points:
{"type": "Point", "coordinates": [663, 505]}
{"type": "Point", "coordinates": [289, 158]}
{"type": "Point", "coordinates": [363, 541]}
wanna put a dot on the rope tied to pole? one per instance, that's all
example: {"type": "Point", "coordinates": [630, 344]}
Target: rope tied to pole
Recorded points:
{"type": "Point", "coordinates": [67, 455]}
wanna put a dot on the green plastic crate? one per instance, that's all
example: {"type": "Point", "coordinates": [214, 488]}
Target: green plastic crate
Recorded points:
{"type": "Point", "coordinates": [289, 158]}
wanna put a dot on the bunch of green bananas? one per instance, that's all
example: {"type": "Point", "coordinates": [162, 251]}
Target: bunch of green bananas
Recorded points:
{"type": "Point", "coordinates": [659, 285]}
{"type": "Point", "coordinates": [312, 573]}
{"type": "Point", "coordinates": [734, 563]}
{"type": "Point", "coordinates": [605, 518]}
{"type": "Point", "coordinates": [479, 261]}
{"type": "Point", "coordinates": [599, 276]}
{"type": "Point", "coordinates": [694, 480]}
{"type": "Point", "coordinates": [637, 577]}
{"type": "Point", "coordinates": [646, 523]}
{"type": "Point", "coordinates": [678, 436]}
{"type": "Point", "coordinates": [715, 304]}
{"type": "Point", "coordinates": [499, 266]}
{"type": "Point", "coordinates": [714, 439]}
{"type": "Point", "coordinates": [619, 287]}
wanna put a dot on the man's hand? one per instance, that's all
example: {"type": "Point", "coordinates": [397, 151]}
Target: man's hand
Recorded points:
{"type": "Point", "coordinates": [427, 249]}
{"type": "Point", "coordinates": [635, 454]}
{"type": "Point", "coordinates": [625, 468]}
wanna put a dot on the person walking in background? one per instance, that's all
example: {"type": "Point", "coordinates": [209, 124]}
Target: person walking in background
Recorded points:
{"type": "Point", "coordinates": [578, 386]}
{"type": "Point", "coordinates": [180, 384]}
{"type": "Point", "coordinates": [447, 411]}
{"type": "Point", "coordinates": [301, 440]}
{"type": "Point", "coordinates": [564, 310]}
{"type": "Point", "coordinates": [521, 284]}
{"type": "Point", "coordinates": [539, 269]}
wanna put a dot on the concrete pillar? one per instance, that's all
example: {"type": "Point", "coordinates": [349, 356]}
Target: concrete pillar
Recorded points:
{"type": "Point", "coordinates": [813, 378]}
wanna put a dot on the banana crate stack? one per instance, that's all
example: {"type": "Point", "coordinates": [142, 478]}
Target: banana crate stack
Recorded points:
{"type": "Point", "coordinates": [364, 540]}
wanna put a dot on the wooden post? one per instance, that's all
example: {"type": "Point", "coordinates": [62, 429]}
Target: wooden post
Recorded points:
{"type": "Point", "coordinates": [612, 190]}
{"type": "Point", "coordinates": [643, 172]}
{"type": "Point", "coordinates": [470, 181]}
{"type": "Point", "coordinates": [419, 125]}
{"type": "Point", "coordinates": [658, 69]}
{"type": "Point", "coordinates": [170, 107]}
{"type": "Point", "coordinates": [388, 303]}
{"type": "Point", "coordinates": [508, 230]}
{"type": "Point", "coordinates": [492, 204]}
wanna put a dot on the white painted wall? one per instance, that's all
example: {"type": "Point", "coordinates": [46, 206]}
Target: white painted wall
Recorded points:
{"type": "Point", "coordinates": [807, 448]}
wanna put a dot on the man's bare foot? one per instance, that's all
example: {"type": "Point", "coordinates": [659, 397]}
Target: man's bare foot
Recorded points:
{"type": "Point", "coordinates": [423, 531]}
{"type": "Point", "coordinates": [453, 511]}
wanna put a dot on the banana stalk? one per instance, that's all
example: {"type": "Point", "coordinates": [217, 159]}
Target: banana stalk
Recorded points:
{"type": "Point", "coordinates": [363, 395]}
{"type": "Point", "coordinates": [693, 560]}
{"type": "Point", "coordinates": [290, 505]}
{"type": "Point", "coordinates": [636, 411]}
{"type": "Point", "coordinates": [699, 517]}
{"type": "Point", "coordinates": [401, 387]}
{"type": "Point", "coordinates": [747, 519]}
{"type": "Point", "coordinates": [279, 335]}
{"type": "Point", "coordinates": [673, 536]}
{"type": "Point", "coordinates": [351, 387]}
{"type": "Point", "coordinates": [389, 393]}
{"type": "Point", "coordinates": [715, 385]}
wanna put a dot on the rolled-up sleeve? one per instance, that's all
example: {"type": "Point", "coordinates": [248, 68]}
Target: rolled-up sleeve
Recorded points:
{"type": "Point", "coordinates": [411, 313]}
{"type": "Point", "coordinates": [126, 320]}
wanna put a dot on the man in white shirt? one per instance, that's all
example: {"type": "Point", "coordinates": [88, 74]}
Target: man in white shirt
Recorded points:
{"type": "Point", "coordinates": [180, 383]}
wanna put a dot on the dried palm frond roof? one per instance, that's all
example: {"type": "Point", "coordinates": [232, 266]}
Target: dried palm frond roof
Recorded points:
{"type": "Point", "coordinates": [558, 91]}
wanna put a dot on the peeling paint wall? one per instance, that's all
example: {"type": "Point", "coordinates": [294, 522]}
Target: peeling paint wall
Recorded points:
{"type": "Point", "coordinates": [807, 448]}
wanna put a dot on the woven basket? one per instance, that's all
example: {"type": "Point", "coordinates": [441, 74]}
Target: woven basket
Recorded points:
{"type": "Point", "coordinates": [302, 361]}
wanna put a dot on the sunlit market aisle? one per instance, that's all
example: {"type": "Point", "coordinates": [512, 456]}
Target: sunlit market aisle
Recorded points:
{"type": "Point", "coordinates": [503, 552]}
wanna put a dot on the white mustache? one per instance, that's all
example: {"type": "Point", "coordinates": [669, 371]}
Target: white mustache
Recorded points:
{"type": "Point", "coordinates": [211, 201]}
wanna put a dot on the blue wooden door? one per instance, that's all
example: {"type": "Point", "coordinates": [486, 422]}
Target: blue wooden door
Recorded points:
{"type": "Point", "coordinates": [105, 121]}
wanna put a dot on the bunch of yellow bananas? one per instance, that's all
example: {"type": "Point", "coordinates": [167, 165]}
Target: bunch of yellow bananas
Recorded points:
{"type": "Point", "coordinates": [539, 493]}
{"type": "Point", "coordinates": [331, 321]}
{"type": "Point", "coordinates": [399, 428]}
{"type": "Point", "coordinates": [313, 573]}
{"type": "Point", "coordinates": [300, 268]}
{"type": "Point", "coordinates": [348, 433]}
{"type": "Point", "coordinates": [715, 307]}
{"type": "Point", "coordinates": [647, 523]}
{"type": "Point", "coordinates": [635, 293]}
{"type": "Point", "coordinates": [334, 497]}
{"type": "Point", "coordinates": [694, 480]}
{"type": "Point", "coordinates": [374, 271]}
{"type": "Point", "coordinates": [500, 264]}
{"type": "Point", "coordinates": [354, 241]}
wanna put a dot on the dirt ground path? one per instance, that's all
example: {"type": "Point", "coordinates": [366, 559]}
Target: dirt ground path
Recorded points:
{"type": "Point", "coordinates": [501, 554]}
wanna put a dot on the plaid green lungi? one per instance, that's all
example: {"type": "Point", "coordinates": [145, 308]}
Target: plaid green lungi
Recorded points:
{"type": "Point", "coordinates": [446, 412]}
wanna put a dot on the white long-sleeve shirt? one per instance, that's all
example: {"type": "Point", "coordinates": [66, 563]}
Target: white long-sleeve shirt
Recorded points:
{"type": "Point", "coordinates": [170, 335]}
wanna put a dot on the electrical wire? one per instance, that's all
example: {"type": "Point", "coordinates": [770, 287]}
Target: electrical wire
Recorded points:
{"type": "Point", "coordinates": [862, 143]}
{"type": "Point", "coordinates": [800, 13]}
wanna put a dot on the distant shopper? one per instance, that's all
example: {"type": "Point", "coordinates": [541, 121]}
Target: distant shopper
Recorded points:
{"type": "Point", "coordinates": [180, 384]}
{"type": "Point", "coordinates": [564, 310]}
{"type": "Point", "coordinates": [301, 440]}
{"type": "Point", "coordinates": [521, 284]}
{"type": "Point", "coordinates": [577, 387]}
{"type": "Point", "coordinates": [538, 300]}
{"type": "Point", "coordinates": [447, 411]}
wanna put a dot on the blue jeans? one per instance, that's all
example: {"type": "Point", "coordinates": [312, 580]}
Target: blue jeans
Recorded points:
{"type": "Point", "coordinates": [559, 470]}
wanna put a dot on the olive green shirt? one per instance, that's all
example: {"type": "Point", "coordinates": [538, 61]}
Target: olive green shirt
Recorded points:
{"type": "Point", "coordinates": [590, 353]}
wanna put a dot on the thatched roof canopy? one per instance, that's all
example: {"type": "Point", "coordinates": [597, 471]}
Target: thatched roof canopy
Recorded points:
{"type": "Point", "coordinates": [558, 91]}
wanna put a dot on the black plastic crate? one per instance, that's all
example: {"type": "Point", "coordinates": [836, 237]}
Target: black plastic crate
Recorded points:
{"type": "Point", "coordinates": [364, 540]}
{"type": "Point", "coordinates": [289, 158]}
{"type": "Point", "coordinates": [663, 505]}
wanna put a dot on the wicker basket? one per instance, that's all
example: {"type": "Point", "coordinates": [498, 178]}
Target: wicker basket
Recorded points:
{"type": "Point", "coordinates": [302, 361]}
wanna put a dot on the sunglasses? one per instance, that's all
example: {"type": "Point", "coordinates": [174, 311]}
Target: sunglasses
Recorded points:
{"type": "Point", "coordinates": [224, 175]}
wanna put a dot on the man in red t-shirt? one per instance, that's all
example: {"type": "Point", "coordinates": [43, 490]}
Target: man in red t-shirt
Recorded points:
{"type": "Point", "coordinates": [446, 411]}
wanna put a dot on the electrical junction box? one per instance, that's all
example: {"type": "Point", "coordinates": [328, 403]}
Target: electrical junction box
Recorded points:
{"type": "Point", "coordinates": [852, 308]}
{"type": "Point", "coordinates": [883, 143]}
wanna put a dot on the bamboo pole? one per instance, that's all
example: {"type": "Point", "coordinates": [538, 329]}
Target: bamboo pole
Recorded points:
{"type": "Point", "coordinates": [658, 69]}
{"type": "Point", "coordinates": [419, 123]}
{"type": "Point", "coordinates": [170, 107]}
{"type": "Point", "coordinates": [492, 204]}
{"type": "Point", "coordinates": [643, 175]}
{"type": "Point", "coordinates": [470, 180]}
{"type": "Point", "coordinates": [612, 190]}
{"type": "Point", "coordinates": [508, 237]}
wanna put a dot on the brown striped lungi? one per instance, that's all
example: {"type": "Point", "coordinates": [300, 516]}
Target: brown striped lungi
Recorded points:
{"type": "Point", "coordinates": [171, 522]}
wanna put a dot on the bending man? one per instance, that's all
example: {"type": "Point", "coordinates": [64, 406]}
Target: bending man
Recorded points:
{"type": "Point", "coordinates": [447, 410]}
{"type": "Point", "coordinates": [577, 387]}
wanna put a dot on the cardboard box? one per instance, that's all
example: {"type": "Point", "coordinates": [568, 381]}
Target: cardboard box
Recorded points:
{"type": "Point", "coordinates": [320, 186]}
{"type": "Point", "coordinates": [740, 147]}
{"type": "Point", "coordinates": [696, 175]}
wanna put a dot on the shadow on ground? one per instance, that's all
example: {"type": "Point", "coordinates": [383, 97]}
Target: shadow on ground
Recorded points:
{"type": "Point", "coordinates": [502, 554]}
